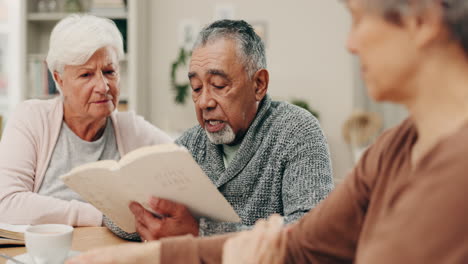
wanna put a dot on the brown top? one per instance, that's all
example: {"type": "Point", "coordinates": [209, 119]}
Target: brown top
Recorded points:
{"type": "Point", "coordinates": [385, 211]}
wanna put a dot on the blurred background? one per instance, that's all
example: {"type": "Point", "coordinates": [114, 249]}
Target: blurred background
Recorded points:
{"type": "Point", "coordinates": [306, 56]}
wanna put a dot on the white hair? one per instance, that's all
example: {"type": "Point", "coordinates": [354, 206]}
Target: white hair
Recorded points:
{"type": "Point", "coordinates": [77, 37]}
{"type": "Point", "coordinates": [224, 136]}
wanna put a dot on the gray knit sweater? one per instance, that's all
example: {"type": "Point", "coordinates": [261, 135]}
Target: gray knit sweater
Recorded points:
{"type": "Point", "coordinates": [282, 166]}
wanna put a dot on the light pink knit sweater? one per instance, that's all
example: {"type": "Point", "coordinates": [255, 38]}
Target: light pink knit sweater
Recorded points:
{"type": "Point", "coordinates": [25, 150]}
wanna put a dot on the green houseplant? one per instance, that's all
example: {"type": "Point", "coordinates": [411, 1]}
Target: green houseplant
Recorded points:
{"type": "Point", "coordinates": [305, 105]}
{"type": "Point", "coordinates": [180, 89]}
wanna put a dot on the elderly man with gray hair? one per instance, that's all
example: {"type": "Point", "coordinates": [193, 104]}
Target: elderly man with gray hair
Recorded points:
{"type": "Point", "coordinates": [44, 139]}
{"type": "Point", "coordinates": [265, 157]}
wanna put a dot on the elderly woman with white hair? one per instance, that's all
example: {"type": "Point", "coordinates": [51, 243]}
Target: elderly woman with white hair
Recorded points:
{"type": "Point", "coordinates": [44, 139]}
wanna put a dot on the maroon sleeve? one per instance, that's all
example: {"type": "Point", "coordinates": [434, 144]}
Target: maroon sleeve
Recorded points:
{"type": "Point", "coordinates": [329, 233]}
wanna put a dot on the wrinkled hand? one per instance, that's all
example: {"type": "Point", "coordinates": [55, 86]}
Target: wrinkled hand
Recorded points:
{"type": "Point", "coordinates": [176, 220]}
{"type": "Point", "coordinates": [262, 245]}
{"type": "Point", "coordinates": [130, 253]}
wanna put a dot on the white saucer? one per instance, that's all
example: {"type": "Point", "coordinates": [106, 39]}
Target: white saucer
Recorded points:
{"type": "Point", "coordinates": [27, 259]}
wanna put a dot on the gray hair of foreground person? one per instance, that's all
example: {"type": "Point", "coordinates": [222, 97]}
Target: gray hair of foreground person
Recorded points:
{"type": "Point", "coordinates": [454, 12]}
{"type": "Point", "coordinates": [250, 45]}
{"type": "Point", "coordinates": [77, 37]}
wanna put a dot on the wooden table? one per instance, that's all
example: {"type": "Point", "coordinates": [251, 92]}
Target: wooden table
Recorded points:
{"type": "Point", "coordinates": [84, 238]}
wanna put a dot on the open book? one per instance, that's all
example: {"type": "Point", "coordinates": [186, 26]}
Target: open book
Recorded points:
{"type": "Point", "coordinates": [12, 234]}
{"type": "Point", "coordinates": [167, 171]}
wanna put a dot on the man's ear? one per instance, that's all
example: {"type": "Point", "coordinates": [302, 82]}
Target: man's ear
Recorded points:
{"type": "Point", "coordinates": [261, 79]}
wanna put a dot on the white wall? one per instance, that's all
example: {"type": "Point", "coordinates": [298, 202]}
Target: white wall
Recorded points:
{"type": "Point", "coordinates": [305, 52]}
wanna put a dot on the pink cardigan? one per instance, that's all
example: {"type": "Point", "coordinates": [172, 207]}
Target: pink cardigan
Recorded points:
{"type": "Point", "coordinates": [25, 151]}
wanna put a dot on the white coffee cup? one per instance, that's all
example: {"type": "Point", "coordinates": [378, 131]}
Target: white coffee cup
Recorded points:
{"type": "Point", "coordinates": [48, 244]}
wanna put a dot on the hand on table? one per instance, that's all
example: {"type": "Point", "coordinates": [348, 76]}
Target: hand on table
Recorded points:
{"type": "Point", "coordinates": [131, 253]}
{"type": "Point", "coordinates": [264, 244]}
{"type": "Point", "coordinates": [176, 220]}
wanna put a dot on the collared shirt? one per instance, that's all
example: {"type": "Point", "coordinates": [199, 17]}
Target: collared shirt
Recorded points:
{"type": "Point", "coordinates": [228, 153]}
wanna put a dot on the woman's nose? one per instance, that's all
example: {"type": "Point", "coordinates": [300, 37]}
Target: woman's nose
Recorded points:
{"type": "Point", "coordinates": [102, 84]}
{"type": "Point", "coordinates": [351, 43]}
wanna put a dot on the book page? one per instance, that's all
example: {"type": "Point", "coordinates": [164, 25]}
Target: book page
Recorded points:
{"type": "Point", "coordinates": [104, 164]}
{"type": "Point", "coordinates": [171, 174]}
{"type": "Point", "coordinates": [145, 151]}
{"type": "Point", "coordinates": [97, 186]}
{"type": "Point", "coordinates": [14, 228]}
{"type": "Point", "coordinates": [12, 231]}
{"type": "Point", "coordinates": [177, 177]}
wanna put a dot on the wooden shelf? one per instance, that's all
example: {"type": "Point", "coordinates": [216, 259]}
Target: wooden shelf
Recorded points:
{"type": "Point", "coordinates": [40, 56]}
{"type": "Point", "coordinates": [55, 16]}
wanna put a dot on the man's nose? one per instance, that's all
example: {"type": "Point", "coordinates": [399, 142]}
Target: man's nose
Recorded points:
{"type": "Point", "coordinates": [206, 100]}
